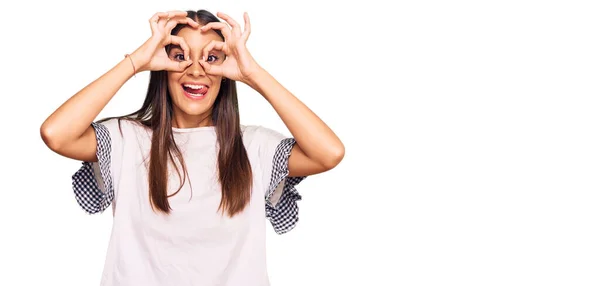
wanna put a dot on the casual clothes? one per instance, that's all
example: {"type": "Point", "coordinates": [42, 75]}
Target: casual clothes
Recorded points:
{"type": "Point", "coordinates": [195, 244]}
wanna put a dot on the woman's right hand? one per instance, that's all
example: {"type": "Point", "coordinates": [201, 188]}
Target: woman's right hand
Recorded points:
{"type": "Point", "coordinates": [152, 56]}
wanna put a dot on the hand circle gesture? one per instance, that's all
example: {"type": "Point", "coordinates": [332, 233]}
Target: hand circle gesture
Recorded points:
{"type": "Point", "coordinates": [239, 64]}
{"type": "Point", "coordinates": [152, 54]}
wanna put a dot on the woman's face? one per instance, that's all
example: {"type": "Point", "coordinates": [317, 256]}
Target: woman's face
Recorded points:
{"type": "Point", "coordinates": [193, 92]}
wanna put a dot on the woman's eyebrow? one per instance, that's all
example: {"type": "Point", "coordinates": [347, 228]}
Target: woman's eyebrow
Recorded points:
{"type": "Point", "coordinates": [216, 51]}
{"type": "Point", "coordinates": [174, 47]}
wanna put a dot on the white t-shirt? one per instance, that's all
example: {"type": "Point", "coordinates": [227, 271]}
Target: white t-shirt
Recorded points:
{"type": "Point", "coordinates": [195, 244]}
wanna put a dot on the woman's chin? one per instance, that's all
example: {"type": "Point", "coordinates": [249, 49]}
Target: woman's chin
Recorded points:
{"type": "Point", "coordinates": [194, 107]}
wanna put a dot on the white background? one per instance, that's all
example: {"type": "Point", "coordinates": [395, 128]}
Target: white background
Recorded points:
{"type": "Point", "coordinates": [471, 134]}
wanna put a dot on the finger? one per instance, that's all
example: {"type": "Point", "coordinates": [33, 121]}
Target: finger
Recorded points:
{"type": "Point", "coordinates": [193, 23]}
{"type": "Point", "coordinates": [179, 20]}
{"type": "Point", "coordinates": [153, 25]}
{"type": "Point", "coordinates": [213, 45]}
{"type": "Point", "coordinates": [247, 29]}
{"type": "Point", "coordinates": [162, 22]}
{"type": "Point", "coordinates": [179, 41]}
{"type": "Point", "coordinates": [225, 30]}
{"type": "Point", "coordinates": [211, 69]}
{"type": "Point", "coordinates": [178, 66]}
{"type": "Point", "coordinates": [157, 16]}
{"type": "Point", "coordinates": [171, 24]}
{"type": "Point", "coordinates": [154, 20]}
{"type": "Point", "coordinates": [171, 14]}
{"type": "Point", "coordinates": [234, 25]}
{"type": "Point", "coordinates": [176, 13]}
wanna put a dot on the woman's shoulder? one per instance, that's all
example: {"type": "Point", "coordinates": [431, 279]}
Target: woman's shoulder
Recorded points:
{"type": "Point", "coordinates": [254, 132]}
{"type": "Point", "coordinates": [120, 122]}
{"type": "Point", "coordinates": [258, 130]}
{"type": "Point", "coordinates": [248, 130]}
{"type": "Point", "coordinates": [123, 127]}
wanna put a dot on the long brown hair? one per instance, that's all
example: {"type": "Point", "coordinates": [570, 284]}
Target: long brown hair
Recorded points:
{"type": "Point", "coordinates": [156, 113]}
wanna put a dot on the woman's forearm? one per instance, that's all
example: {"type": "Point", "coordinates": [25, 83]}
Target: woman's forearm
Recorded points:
{"type": "Point", "coordinates": [67, 123]}
{"type": "Point", "coordinates": [312, 135]}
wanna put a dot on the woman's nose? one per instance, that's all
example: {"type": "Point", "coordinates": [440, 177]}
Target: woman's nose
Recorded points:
{"type": "Point", "coordinates": [196, 69]}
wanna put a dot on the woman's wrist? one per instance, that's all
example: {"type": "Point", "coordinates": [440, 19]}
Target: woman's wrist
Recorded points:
{"type": "Point", "coordinates": [141, 58]}
{"type": "Point", "coordinates": [138, 61]}
{"type": "Point", "coordinates": [254, 78]}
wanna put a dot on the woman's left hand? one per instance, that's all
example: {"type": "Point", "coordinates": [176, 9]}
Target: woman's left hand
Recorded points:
{"type": "Point", "coordinates": [239, 64]}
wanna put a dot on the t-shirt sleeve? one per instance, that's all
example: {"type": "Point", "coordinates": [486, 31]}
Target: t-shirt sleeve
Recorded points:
{"type": "Point", "coordinates": [281, 196]}
{"type": "Point", "coordinates": [93, 183]}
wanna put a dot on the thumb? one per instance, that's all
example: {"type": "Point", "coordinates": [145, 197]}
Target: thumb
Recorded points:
{"type": "Point", "coordinates": [210, 69]}
{"type": "Point", "coordinates": [179, 66]}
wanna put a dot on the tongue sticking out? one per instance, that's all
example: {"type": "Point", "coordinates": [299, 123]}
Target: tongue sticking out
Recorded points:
{"type": "Point", "coordinates": [201, 90]}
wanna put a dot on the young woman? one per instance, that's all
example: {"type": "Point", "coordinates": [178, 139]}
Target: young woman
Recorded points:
{"type": "Point", "coordinates": [190, 187]}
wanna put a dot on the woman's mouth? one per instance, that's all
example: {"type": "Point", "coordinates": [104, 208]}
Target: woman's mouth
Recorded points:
{"type": "Point", "coordinates": [194, 91]}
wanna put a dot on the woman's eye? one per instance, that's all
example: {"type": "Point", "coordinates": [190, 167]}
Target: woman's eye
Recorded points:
{"type": "Point", "coordinates": [180, 57]}
{"type": "Point", "coordinates": [214, 58]}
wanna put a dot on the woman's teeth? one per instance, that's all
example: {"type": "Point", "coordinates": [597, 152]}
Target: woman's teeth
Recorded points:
{"type": "Point", "coordinates": [195, 89]}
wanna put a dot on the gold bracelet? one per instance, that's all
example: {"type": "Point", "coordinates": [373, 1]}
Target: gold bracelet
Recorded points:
{"type": "Point", "coordinates": [129, 56]}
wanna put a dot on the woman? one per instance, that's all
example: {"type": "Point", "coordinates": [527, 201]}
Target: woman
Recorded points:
{"type": "Point", "coordinates": [190, 186]}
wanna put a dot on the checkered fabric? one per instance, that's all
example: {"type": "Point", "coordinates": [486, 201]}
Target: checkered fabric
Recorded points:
{"type": "Point", "coordinates": [87, 185]}
{"type": "Point", "coordinates": [284, 215]}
